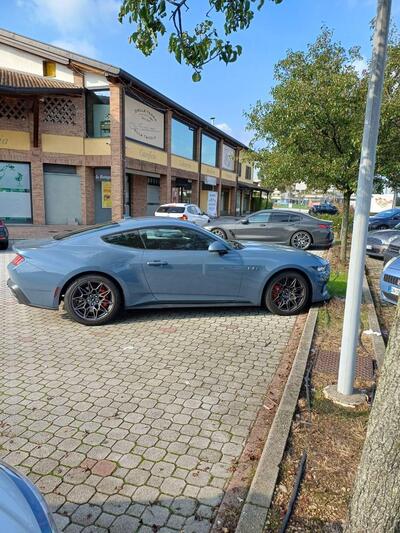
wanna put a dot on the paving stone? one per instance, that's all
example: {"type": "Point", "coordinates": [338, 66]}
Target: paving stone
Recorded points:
{"type": "Point", "coordinates": [155, 515]}
{"type": "Point", "coordinates": [156, 424]}
{"type": "Point", "coordinates": [86, 514]}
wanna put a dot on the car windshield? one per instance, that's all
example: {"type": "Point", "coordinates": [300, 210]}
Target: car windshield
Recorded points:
{"type": "Point", "coordinates": [171, 209]}
{"type": "Point", "coordinates": [86, 229]}
{"type": "Point", "coordinates": [388, 213]}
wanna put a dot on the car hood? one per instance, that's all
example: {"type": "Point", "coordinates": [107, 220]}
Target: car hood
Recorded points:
{"type": "Point", "coordinates": [261, 248]}
{"type": "Point", "coordinates": [385, 235]}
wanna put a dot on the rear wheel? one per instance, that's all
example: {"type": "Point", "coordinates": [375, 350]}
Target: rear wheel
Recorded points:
{"type": "Point", "coordinates": [301, 240]}
{"type": "Point", "coordinates": [288, 293]}
{"type": "Point", "coordinates": [92, 300]}
{"type": "Point", "coordinates": [219, 233]}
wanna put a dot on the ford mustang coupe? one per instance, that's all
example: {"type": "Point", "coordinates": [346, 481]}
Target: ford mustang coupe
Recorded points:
{"type": "Point", "coordinates": [154, 262]}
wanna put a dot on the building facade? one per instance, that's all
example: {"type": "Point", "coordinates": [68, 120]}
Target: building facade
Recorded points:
{"type": "Point", "coordinates": [84, 142]}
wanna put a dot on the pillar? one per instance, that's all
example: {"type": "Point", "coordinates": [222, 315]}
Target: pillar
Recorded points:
{"type": "Point", "coordinates": [117, 142]}
{"type": "Point", "coordinates": [87, 193]}
{"type": "Point", "coordinates": [37, 180]}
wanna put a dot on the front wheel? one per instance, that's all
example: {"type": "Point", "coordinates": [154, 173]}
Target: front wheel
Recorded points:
{"type": "Point", "coordinates": [301, 240]}
{"type": "Point", "coordinates": [288, 293]}
{"type": "Point", "coordinates": [219, 233]}
{"type": "Point", "coordinates": [92, 300]}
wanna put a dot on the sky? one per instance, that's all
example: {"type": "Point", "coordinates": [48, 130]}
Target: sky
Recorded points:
{"type": "Point", "coordinates": [91, 27]}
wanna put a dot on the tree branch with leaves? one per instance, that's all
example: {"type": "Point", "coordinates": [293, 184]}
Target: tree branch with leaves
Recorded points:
{"type": "Point", "coordinates": [203, 43]}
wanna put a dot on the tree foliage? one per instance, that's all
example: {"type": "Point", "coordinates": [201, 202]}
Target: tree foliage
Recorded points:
{"type": "Point", "coordinates": [196, 46]}
{"type": "Point", "coordinates": [312, 126]}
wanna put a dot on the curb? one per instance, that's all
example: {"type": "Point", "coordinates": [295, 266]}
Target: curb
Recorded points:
{"type": "Point", "coordinates": [259, 497]}
{"type": "Point", "coordinates": [377, 340]}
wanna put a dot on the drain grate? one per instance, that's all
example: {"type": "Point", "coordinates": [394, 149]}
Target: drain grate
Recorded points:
{"type": "Point", "coordinates": [328, 363]}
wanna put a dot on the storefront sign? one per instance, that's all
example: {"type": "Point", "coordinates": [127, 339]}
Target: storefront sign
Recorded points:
{"type": "Point", "coordinates": [210, 180]}
{"type": "Point", "coordinates": [143, 123]}
{"type": "Point", "coordinates": [228, 157]}
{"type": "Point", "coordinates": [15, 192]}
{"type": "Point", "coordinates": [106, 194]}
{"type": "Point", "coordinates": [212, 200]}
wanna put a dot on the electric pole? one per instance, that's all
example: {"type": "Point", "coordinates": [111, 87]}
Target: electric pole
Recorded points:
{"type": "Point", "coordinates": [351, 321]}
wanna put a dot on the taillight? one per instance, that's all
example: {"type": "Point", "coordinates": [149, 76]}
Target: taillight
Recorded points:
{"type": "Point", "coordinates": [183, 217]}
{"type": "Point", "coordinates": [18, 259]}
{"type": "Point", "coordinates": [324, 226]}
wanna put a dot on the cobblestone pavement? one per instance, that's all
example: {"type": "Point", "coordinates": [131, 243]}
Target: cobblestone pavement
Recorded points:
{"type": "Point", "coordinates": [132, 426]}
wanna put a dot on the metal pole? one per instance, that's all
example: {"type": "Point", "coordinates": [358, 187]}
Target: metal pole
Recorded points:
{"type": "Point", "coordinates": [363, 202]}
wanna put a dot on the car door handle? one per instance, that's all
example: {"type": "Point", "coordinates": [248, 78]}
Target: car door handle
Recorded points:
{"type": "Point", "coordinates": [263, 225]}
{"type": "Point", "coordinates": [157, 263]}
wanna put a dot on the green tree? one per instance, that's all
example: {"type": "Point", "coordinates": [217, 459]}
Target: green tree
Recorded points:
{"type": "Point", "coordinates": [201, 43]}
{"type": "Point", "coordinates": [312, 126]}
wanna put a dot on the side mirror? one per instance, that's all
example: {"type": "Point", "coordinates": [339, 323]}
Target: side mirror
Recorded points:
{"type": "Point", "coordinates": [244, 221]}
{"type": "Point", "coordinates": [218, 247]}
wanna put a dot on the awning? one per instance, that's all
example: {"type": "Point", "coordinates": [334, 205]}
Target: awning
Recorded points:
{"type": "Point", "coordinates": [14, 82]}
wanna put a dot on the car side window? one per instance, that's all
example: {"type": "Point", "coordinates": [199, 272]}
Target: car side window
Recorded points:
{"type": "Point", "coordinates": [280, 217]}
{"type": "Point", "coordinates": [295, 218]}
{"type": "Point", "coordinates": [259, 218]}
{"type": "Point", "coordinates": [131, 239]}
{"type": "Point", "coordinates": [171, 238]}
{"type": "Point", "coordinates": [191, 210]}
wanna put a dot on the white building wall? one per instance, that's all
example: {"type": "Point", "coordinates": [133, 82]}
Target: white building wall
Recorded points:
{"type": "Point", "coordinates": [95, 81]}
{"type": "Point", "coordinates": [12, 58]}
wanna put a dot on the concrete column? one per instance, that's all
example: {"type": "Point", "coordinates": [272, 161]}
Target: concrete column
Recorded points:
{"type": "Point", "coordinates": [117, 142]}
{"type": "Point", "coordinates": [87, 193]}
{"type": "Point", "coordinates": [37, 179]}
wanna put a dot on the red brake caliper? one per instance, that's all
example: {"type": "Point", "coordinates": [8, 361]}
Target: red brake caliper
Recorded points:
{"type": "Point", "coordinates": [106, 301]}
{"type": "Point", "coordinates": [276, 290]}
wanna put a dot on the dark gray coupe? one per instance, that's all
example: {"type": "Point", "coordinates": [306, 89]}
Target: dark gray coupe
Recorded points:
{"type": "Point", "coordinates": [277, 226]}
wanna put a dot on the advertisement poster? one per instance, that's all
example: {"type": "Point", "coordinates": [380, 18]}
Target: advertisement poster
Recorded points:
{"type": "Point", "coordinates": [212, 200]}
{"type": "Point", "coordinates": [143, 123]}
{"type": "Point", "coordinates": [228, 157]}
{"type": "Point", "coordinates": [106, 194]}
{"type": "Point", "coordinates": [15, 192]}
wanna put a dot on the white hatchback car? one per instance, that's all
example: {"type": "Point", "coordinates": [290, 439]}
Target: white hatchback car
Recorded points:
{"type": "Point", "coordinates": [189, 212]}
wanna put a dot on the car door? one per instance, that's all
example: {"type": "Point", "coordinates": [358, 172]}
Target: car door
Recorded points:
{"type": "Point", "coordinates": [253, 227]}
{"type": "Point", "coordinates": [394, 220]}
{"type": "Point", "coordinates": [192, 212]}
{"type": "Point", "coordinates": [179, 268]}
{"type": "Point", "coordinates": [278, 228]}
{"type": "Point", "coordinates": [201, 218]}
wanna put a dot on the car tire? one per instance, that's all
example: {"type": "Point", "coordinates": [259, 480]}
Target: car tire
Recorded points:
{"type": "Point", "coordinates": [280, 291]}
{"type": "Point", "coordinates": [301, 240]}
{"type": "Point", "coordinates": [219, 232]}
{"type": "Point", "coordinates": [84, 297]}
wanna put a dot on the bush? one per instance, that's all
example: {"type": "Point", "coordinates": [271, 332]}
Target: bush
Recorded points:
{"type": "Point", "coordinates": [337, 220]}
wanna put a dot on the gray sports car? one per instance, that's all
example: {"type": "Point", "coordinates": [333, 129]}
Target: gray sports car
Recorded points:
{"type": "Point", "coordinates": [277, 226]}
{"type": "Point", "coordinates": [378, 241]}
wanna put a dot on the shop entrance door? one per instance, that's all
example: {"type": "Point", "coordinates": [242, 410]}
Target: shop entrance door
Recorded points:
{"type": "Point", "coordinates": [153, 196]}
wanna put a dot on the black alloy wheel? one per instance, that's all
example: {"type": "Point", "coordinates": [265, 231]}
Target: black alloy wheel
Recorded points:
{"type": "Point", "coordinates": [92, 300]}
{"type": "Point", "coordinates": [288, 293]}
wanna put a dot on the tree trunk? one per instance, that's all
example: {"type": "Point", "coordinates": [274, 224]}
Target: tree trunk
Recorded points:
{"type": "Point", "coordinates": [344, 230]}
{"type": "Point", "coordinates": [375, 504]}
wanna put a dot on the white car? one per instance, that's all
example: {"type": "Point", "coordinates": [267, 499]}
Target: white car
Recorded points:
{"type": "Point", "coordinates": [189, 212]}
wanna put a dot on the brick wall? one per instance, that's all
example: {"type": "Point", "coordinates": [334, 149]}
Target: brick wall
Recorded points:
{"type": "Point", "coordinates": [117, 141]}
{"type": "Point", "coordinates": [87, 194]}
{"type": "Point", "coordinates": [138, 186]}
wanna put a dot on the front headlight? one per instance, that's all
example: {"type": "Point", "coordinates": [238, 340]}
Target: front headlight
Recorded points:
{"type": "Point", "coordinates": [324, 270]}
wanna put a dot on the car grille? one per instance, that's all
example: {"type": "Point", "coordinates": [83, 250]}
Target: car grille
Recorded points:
{"type": "Point", "coordinates": [391, 297]}
{"type": "Point", "coordinates": [391, 279]}
{"type": "Point", "coordinates": [394, 249]}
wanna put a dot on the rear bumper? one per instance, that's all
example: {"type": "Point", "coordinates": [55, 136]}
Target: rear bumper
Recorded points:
{"type": "Point", "coordinates": [376, 250]}
{"type": "Point", "coordinates": [18, 293]}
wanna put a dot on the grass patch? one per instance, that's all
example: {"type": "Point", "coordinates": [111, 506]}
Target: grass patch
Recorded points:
{"type": "Point", "coordinates": [337, 284]}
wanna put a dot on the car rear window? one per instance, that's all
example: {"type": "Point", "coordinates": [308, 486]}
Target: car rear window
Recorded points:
{"type": "Point", "coordinates": [131, 239]}
{"type": "Point", "coordinates": [86, 229]}
{"type": "Point", "coordinates": [170, 209]}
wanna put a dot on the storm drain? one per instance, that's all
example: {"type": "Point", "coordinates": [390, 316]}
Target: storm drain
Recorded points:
{"type": "Point", "coordinates": [328, 363]}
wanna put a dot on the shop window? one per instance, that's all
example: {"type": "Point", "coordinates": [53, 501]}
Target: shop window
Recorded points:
{"type": "Point", "coordinates": [98, 121]}
{"type": "Point", "coordinates": [240, 169]}
{"type": "Point", "coordinates": [208, 150]}
{"type": "Point", "coordinates": [49, 69]}
{"type": "Point", "coordinates": [182, 139]}
{"type": "Point", "coordinates": [248, 172]}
